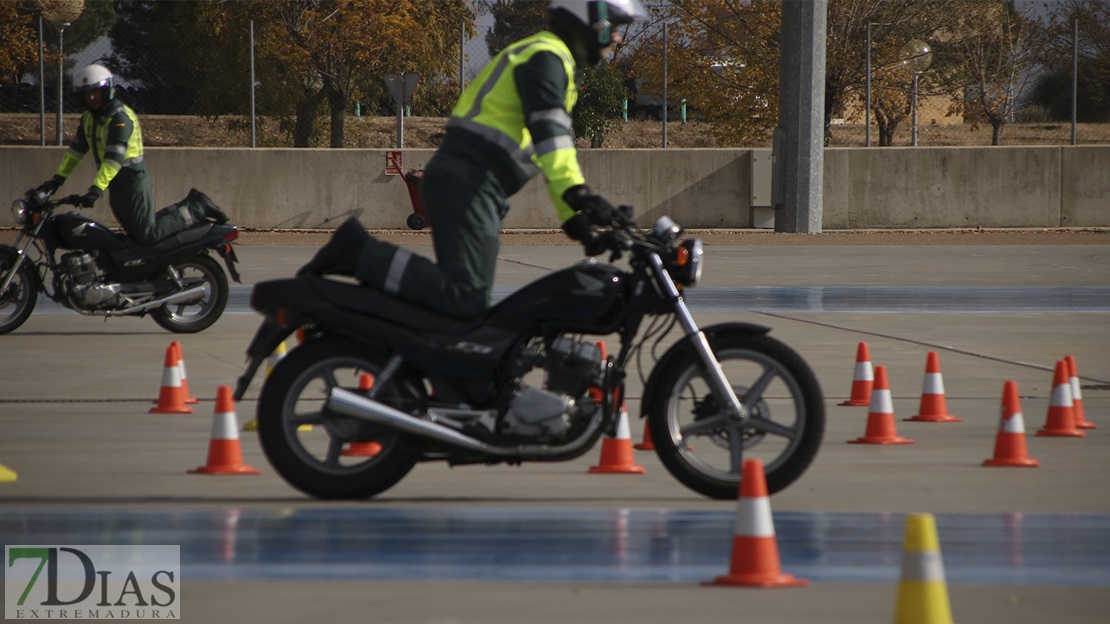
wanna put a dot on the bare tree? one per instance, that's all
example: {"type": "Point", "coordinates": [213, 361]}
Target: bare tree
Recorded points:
{"type": "Point", "coordinates": [997, 60]}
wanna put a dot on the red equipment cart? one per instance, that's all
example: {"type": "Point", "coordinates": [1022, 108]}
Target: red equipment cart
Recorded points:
{"type": "Point", "coordinates": [419, 217]}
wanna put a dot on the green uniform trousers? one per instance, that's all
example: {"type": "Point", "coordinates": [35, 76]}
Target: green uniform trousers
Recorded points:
{"type": "Point", "coordinates": [131, 197]}
{"type": "Point", "coordinates": [466, 204]}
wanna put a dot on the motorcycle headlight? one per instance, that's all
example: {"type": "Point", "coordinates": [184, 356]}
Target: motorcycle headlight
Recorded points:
{"type": "Point", "coordinates": [666, 230]}
{"type": "Point", "coordinates": [19, 211]}
{"type": "Point", "coordinates": [685, 264]}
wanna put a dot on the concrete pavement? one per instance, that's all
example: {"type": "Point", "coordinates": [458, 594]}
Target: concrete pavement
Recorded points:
{"type": "Point", "coordinates": [75, 391]}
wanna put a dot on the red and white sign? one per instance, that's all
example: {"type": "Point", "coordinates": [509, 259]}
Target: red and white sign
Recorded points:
{"type": "Point", "coordinates": [393, 163]}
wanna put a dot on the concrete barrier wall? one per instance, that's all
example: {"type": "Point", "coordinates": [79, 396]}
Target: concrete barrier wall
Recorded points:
{"type": "Point", "coordinates": [923, 187]}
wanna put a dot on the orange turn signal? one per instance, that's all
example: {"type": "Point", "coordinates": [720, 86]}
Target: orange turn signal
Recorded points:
{"type": "Point", "coordinates": [681, 257]}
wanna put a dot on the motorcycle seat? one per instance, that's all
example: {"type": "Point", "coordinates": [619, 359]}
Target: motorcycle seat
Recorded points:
{"type": "Point", "coordinates": [184, 237]}
{"type": "Point", "coordinates": [369, 301]}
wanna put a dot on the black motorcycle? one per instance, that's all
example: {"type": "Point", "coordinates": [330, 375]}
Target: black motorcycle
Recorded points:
{"type": "Point", "coordinates": [86, 267]}
{"type": "Point", "coordinates": [523, 382]}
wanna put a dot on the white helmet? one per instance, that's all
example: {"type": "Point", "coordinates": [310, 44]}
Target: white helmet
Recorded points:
{"type": "Point", "coordinates": [589, 23]}
{"type": "Point", "coordinates": [94, 77]}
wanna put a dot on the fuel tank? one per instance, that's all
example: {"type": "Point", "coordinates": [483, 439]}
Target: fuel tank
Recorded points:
{"type": "Point", "coordinates": [71, 230]}
{"type": "Point", "coordinates": [583, 297]}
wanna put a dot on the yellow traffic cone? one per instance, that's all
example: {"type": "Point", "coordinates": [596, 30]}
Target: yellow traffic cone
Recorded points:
{"type": "Point", "coordinates": [922, 593]}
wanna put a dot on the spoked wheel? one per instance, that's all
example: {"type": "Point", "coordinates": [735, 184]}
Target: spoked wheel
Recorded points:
{"type": "Point", "coordinates": [199, 313]}
{"type": "Point", "coordinates": [310, 446]}
{"type": "Point", "coordinates": [704, 448]}
{"type": "Point", "coordinates": [18, 300]}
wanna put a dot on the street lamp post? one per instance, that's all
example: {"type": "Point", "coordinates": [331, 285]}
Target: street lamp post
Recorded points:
{"type": "Point", "coordinates": [916, 58]}
{"type": "Point", "coordinates": [42, 91]}
{"type": "Point", "coordinates": [60, 14]}
{"type": "Point", "coordinates": [867, 106]}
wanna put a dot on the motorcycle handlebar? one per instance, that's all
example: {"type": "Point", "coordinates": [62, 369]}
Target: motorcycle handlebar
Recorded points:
{"type": "Point", "coordinates": [622, 216]}
{"type": "Point", "coordinates": [35, 200]}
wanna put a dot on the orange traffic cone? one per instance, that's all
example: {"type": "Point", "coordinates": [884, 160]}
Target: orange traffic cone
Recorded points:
{"type": "Point", "coordinates": [1081, 421]}
{"type": "Point", "coordinates": [184, 377]}
{"type": "Point", "coordinates": [863, 378]}
{"type": "Point", "coordinates": [171, 396]}
{"type": "Point", "coordinates": [1009, 444]}
{"type": "Point", "coordinates": [225, 456]}
{"type": "Point", "coordinates": [933, 407]}
{"type": "Point", "coordinates": [755, 551]}
{"type": "Point", "coordinates": [616, 453]}
{"type": "Point", "coordinates": [646, 443]}
{"type": "Point", "coordinates": [880, 418]}
{"type": "Point", "coordinates": [1061, 410]}
{"type": "Point", "coordinates": [363, 449]}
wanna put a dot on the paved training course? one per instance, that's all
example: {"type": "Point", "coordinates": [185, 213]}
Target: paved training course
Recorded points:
{"type": "Point", "coordinates": [549, 543]}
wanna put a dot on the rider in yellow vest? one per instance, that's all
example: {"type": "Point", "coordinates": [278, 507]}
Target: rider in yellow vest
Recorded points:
{"type": "Point", "coordinates": [512, 122]}
{"type": "Point", "coordinates": [110, 129]}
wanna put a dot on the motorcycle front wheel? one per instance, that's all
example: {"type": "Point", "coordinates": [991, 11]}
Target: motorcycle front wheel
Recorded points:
{"type": "Point", "coordinates": [704, 448]}
{"type": "Point", "coordinates": [200, 313]}
{"type": "Point", "coordinates": [321, 453]}
{"type": "Point", "coordinates": [18, 300]}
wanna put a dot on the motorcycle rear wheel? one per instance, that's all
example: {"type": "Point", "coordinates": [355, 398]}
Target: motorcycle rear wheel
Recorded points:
{"type": "Point", "coordinates": [18, 301]}
{"type": "Point", "coordinates": [705, 449]}
{"type": "Point", "coordinates": [306, 443]}
{"type": "Point", "coordinates": [198, 315]}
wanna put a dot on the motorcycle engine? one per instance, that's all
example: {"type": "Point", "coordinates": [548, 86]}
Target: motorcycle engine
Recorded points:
{"type": "Point", "coordinates": [570, 369]}
{"type": "Point", "coordinates": [85, 289]}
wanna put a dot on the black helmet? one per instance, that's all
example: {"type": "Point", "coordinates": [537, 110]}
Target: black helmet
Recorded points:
{"type": "Point", "coordinates": [587, 25]}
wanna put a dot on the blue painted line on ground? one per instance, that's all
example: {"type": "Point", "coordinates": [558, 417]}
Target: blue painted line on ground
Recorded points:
{"type": "Point", "coordinates": [830, 299]}
{"type": "Point", "coordinates": [573, 545]}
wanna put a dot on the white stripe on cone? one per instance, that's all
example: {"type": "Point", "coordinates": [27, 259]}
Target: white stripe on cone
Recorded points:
{"type": "Point", "coordinates": [934, 384]}
{"type": "Point", "coordinates": [1013, 423]}
{"type": "Point", "coordinates": [624, 432]}
{"type": "Point", "coordinates": [171, 376]}
{"type": "Point", "coordinates": [863, 372]}
{"type": "Point", "coordinates": [1076, 394]}
{"type": "Point", "coordinates": [753, 518]}
{"type": "Point", "coordinates": [224, 427]}
{"type": "Point", "coordinates": [881, 403]}
{"type": "Point", "coordinates": [1061, 395]}
{"type": "Point", "coordinates": [923, 566]}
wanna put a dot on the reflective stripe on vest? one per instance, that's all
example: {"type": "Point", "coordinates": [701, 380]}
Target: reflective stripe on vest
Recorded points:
{"type": "Point", "coordinates": [503, 124]}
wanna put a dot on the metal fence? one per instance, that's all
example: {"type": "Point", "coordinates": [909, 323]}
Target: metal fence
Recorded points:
{"type": "Point", "coordinates": [931, 122]}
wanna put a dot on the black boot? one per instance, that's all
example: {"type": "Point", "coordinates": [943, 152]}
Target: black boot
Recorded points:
{"type": "Point", "coordinates": [340, 254]}
{"type": "Point", "coordinates": [212, 212]}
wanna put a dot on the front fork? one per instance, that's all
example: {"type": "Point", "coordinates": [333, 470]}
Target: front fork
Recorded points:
{"type": "Point", "coordinates": [715, 376]}
{"type": "Point", "coordinates": [20, 257]}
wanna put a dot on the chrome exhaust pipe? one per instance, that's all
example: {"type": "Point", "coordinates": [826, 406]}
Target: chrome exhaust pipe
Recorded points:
{"type": "Point", "coordinates": [182, 297]}
{"type": "Point", "coordinates": [351, 404]}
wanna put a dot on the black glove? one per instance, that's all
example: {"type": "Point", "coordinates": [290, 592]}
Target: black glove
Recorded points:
{"type": "Point", "coordinates": [49, 187]}
{"type": "Point", "coordinates": [597, 209]}
{"type": "Point", "coordinates": [578, 228]}
{"type": "Point", "coordinates": [90, 197]}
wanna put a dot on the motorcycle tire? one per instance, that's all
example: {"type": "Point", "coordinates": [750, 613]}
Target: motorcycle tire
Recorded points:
{"type": "Point", "coordinates": [704, 449]}
{"type": "Point", "coordinates": [199, 315]}
{"type": "Point", "coordinates": [18, 301]}
{"type": "Point", "coordinates": [306, 444]}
